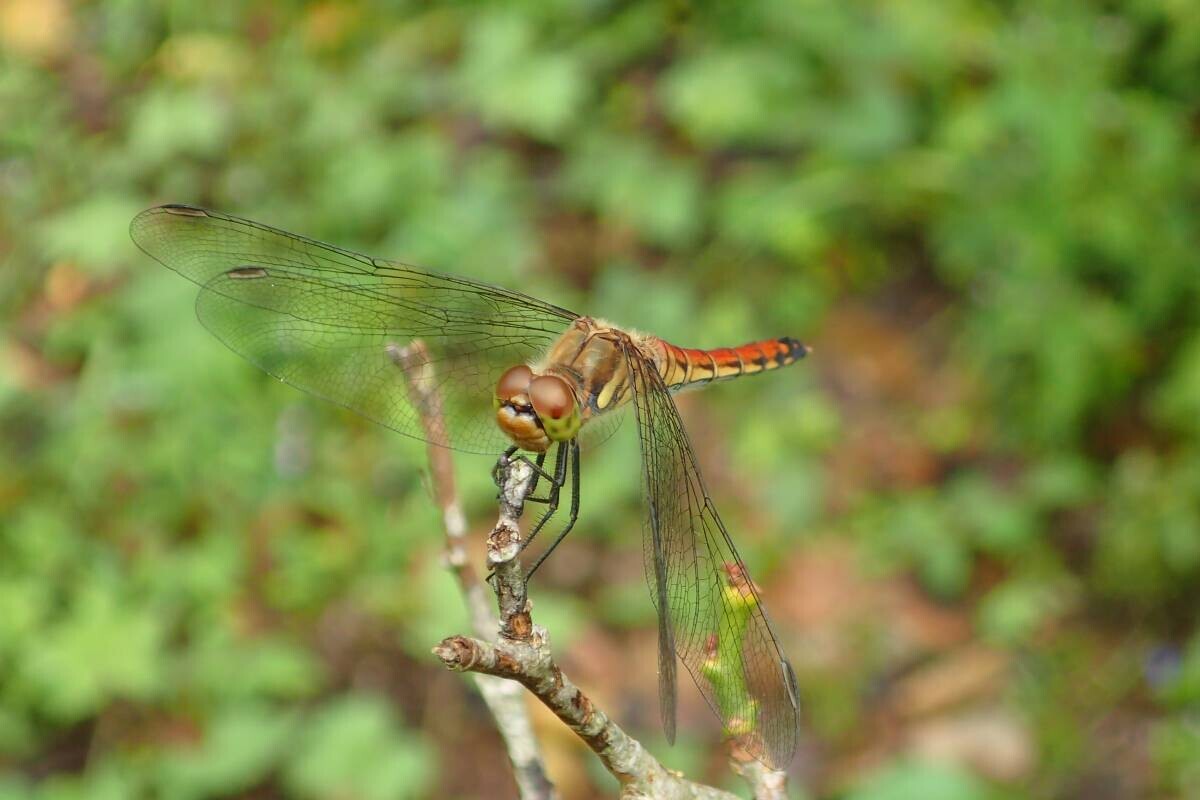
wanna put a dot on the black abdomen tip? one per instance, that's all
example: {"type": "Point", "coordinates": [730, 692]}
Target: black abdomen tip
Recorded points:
{"type": "Point", "coordinates": [796, 349]}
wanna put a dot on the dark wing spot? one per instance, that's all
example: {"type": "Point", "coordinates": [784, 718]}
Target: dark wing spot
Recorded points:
{"type": "Point", "coordinates": [184, 211]}
{"type": "Point", "coordinates": [761, 360]}
{"type": "Point", "coordinates": [246, 273]}
{"type": "Point", "coordinates": [789, 680]}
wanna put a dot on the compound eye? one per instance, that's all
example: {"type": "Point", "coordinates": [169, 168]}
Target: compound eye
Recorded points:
{"type": "Point", "coordinates": [514, 382]}
{"type": "Point", "coordinates": [551, 397]}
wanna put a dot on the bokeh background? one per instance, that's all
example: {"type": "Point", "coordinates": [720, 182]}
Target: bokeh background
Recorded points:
{"type": "Point", "coordinates": [974, 511]}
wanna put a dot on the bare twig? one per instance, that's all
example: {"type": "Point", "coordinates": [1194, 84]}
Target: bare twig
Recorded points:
{"type": "Point", "coordinates": [503, 547]}
{"type": "Point", "coordinates": [522, 653]}
{"type": "Point", "coordinates": [504, 699]}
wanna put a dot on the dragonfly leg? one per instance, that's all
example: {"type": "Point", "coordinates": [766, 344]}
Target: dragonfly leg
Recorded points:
{"type": "Point", "coordinates": [556, 483]}
{"type": "Point", "coordinates": [537, 466]}
{"type": "Point", "coordinates": [538, 472]}
{"type": "Point", "coordinates": [502, 462]}
{"type": "Point", "coordinates": [574, 514]}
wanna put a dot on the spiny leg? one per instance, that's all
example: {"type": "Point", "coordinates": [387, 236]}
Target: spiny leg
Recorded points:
{"type": "Point", "coordinates": [538, 471]}
{"type": "Point", "coordinates": [501, 462]}
{"type": "Point", "coordinates": [574, 446]}
{"type": "Point", "coordinates": [557, 481]}
{"type": "Point", "coordinates": [556, 484]}
{"type": "Point", "coordinates": [537, 466]}
{"type": "Point", "coordinates": [539, 462]}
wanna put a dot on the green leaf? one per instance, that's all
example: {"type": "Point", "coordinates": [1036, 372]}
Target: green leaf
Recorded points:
{"type": "Point", "coordinates": [1015, 610]}
{"type": "Point", "coordinates": [240, 747]}
{"type": "Point", "coordinates": [1173, 745]}
{"type": "Point", "coordinates": [93, 234]}
{"type": "Point", "coordinates": [738, 96]}
{"type": "Point", "coordinates": [1176, 401]}
{"type": "Point", "coordinates": [998, 521]}
{"type": "Point", "coordinates": [784, 214]}
{"type": "Point", "coordinates": [633, 184]}
{"type": "Point", "coordinates": [168, 122]}
{"type": "Point", "coordinates": [513, 83]}
{"type": "Point", "coordinates": [353, 748]}
{"type": "Point", "coordinates": [914, 780]}
{"type": "Point", "coordinates": [120, 644]}
{"type": "Point", "coordinates": [266, 666]}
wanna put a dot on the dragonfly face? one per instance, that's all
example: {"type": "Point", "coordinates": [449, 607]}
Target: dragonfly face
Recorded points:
{"type": "Point", "coordinates": [536, 410]}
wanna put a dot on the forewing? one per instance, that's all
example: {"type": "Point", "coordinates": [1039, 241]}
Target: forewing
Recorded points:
{"type": "Point", "coordinates": [331, 321]}
{"type": "Point", "coordinates": [710, 613]}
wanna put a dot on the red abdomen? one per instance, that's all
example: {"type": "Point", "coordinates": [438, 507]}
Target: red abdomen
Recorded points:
{"type": "Point", "coordinates": [682, 367]}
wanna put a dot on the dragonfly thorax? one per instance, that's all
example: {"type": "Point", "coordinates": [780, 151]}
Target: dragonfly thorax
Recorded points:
{"type": "Point", "coordinates": [536, 410]}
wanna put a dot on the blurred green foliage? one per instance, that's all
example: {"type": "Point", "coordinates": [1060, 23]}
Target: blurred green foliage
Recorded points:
{"type": "Point", "coordinates": [983, 214]}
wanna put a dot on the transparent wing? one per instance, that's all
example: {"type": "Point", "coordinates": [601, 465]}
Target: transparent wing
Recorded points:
{"type": "Point", "coordinates": [600, 429]}
{"type": "Point", "coordinates": [329, 321]}
{"type": "Point", "coordinates": [710, 614]}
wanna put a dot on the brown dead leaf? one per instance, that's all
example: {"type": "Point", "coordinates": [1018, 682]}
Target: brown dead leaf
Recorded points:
{"type": "Point", "coordinates": [65, 287]}
{"type": "Point", "coordinates": [993, 742]}
{"type": "Point", "coordinates": [921, 624]}
{"type": "Point", "coordinates": [876, 358]}
{"type": "Point", "coordinates": [29, 367]}
{"type": "Point", "coordinates": [832, 600]}
{"type": "Point", "coordinates": [967, 674]}
{"type": "Point", "coordinates": [327, 25]}
{"type": "Point", "coordinates": [899, 397]}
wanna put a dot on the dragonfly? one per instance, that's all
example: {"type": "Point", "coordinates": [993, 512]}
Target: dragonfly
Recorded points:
{"type": "Point", "coordinates": [525, 375]}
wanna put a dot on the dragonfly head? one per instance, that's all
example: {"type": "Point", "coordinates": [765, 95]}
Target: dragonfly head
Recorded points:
{"type": "Point", "coordinates": [536, 410]}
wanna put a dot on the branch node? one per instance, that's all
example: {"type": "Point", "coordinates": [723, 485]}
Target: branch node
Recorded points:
{"type": "Point", "coordinates": [517, 627]}
{"type": "Point", "coordinates": [503, 544]}
{"type": "Point", "coordinates": [458, 653]}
